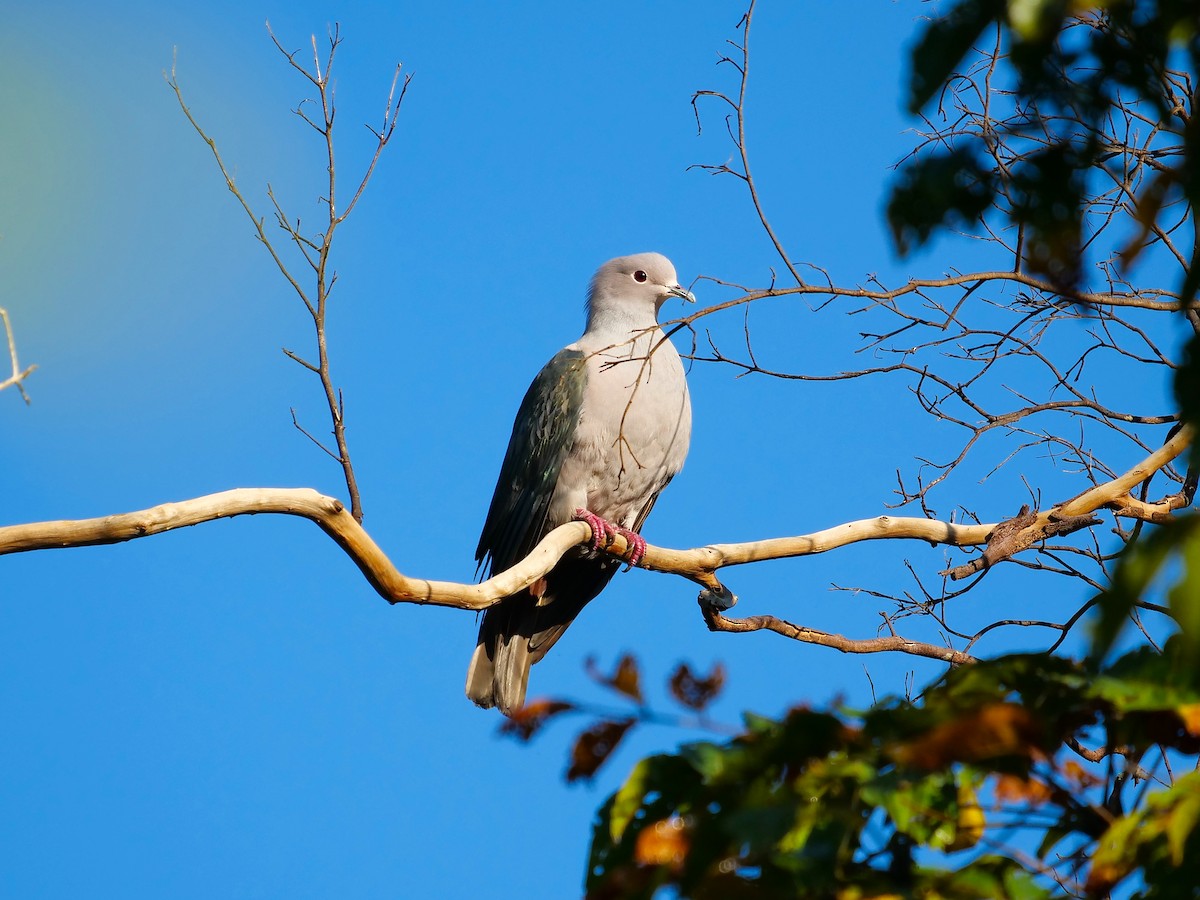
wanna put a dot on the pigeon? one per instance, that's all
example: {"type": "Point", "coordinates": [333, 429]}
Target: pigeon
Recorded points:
{"type": "Point", "coordinates": [603, 428]}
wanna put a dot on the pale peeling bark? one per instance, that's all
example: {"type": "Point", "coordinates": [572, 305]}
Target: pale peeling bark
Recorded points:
{"type": "Point", "coordinates": [699, 564]}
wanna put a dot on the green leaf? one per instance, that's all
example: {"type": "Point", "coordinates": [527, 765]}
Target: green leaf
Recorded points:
{"type": "Point", "coordinates": [1162, 832]}
{"type": "Point", "coordinates": [762, 827]}
{"type": "Point", "coordinates": [756, 724]}
{"type": "Point", "coordinates": [707, 758]}
{"type": "Point", "coordinates": [1184, 597]}
{"type": "Point", "coordinates": [924, 808]}
{"type": "Point", "coordinates": [1116, 853]}
{"type": "Point", "coordinates": [657, 787]}
{"type": "Point", "coordinates": [1047, 191]}
{"type": "Point", "coordinates": [667, 776]}
{"type": "Point", "coordinates": [987, 878]}
{"type": "Point", "coordinates": [1181, 823]}
{"type": "Point", "coordinates": [628, 798]}
{"type": "Point", "coordinates": [1053, 835]}
{"type": "Point", "coordinates": [1187, 389]}
{"type": "Point", "coordinates": [1145, 680]}
{"type": "Point", "coordinates": [1138, 566]}
{"type": "Point", "coordinates": [951, 187]}
{"type": "Point", "coordinates": [1033, 19]}
{"type": "Point", "coordinates": [944, 43]}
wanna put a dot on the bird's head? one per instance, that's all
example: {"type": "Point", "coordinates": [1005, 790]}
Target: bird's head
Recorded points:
{"type": "Point", "coordinates": [635, 286]}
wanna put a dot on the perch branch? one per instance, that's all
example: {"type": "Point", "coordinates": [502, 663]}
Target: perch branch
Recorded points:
{"type": "Point", "coordinates": [699, 564]}
{"type": "Point", "coordinates": [328, 513]}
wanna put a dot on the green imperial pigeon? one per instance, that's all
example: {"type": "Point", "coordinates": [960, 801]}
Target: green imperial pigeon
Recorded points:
{"type": "Point", "coordinates": [602, 429]}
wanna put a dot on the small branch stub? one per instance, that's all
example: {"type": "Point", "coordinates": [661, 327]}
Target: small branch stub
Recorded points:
{"type": "Point", "coordinates": [18, 376]}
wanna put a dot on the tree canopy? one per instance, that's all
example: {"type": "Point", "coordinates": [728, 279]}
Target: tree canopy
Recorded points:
{"type": "Point", "coordinates": [1065, 138]}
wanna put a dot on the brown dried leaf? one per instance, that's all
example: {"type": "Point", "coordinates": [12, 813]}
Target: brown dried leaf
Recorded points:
{"type": "Point", "coordinates": [998, 729]}
{"type": "Point", "coordinates": [625, 678]}
{"type": "Point", "coordinates": [1013, 789]}
{"type": "Point", "coordinates": [665, 843]}
{"type": "Point", "coordinates": [1079, 777]}
{"type": "Point", "coordinates": [524, 723]}
{"type": "Point", "coordinates": [594, 746]}
{"type": "Point", "coordinates": [695, 692]}
{"type": "Point", "coordinates": [1148, 206]}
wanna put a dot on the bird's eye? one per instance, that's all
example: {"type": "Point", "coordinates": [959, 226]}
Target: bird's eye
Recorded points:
{"type": "Point", "coordinates": [640, 277]}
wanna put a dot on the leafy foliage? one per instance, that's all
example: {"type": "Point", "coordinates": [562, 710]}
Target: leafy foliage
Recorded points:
{"type": "Point", "coordinates": [1023, 776]}
{"type": "Point", "coordinates": [1029, 166]}
{"type": "Point", "coordinates": [953, 188]}
{"type": "Point", "coordinates": [946, 798]}
{"type": "Point", "coordinates": [594, 746]}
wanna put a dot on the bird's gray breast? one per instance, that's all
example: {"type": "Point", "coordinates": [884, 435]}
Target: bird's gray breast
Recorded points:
{"type": "Point", "coordinates": [633, 432]}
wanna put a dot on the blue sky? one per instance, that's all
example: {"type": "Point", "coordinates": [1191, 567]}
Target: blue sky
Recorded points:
{"type": "Point", "coordinates": [230, 710]}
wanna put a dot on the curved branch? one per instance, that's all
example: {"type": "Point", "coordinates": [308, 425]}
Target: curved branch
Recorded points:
{"type": "Point", "coordinates": [1028, 528]}
{"type": "Point", "coordinates": [894, 643]}
{"type": "Point", "coordinates": [331, 516]}
{"type": "Point", "coordinates": [328, 513]}
{"type": "Point", "coordinates": [1131, 299]}
{"type": "Point", "coordinates": [698, 564]}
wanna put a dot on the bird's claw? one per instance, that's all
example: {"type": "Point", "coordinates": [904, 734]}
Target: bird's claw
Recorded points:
{"type": "Point", "coordinates": [637, 547]}
{"type": "Point", "coordinates": [603, 532]}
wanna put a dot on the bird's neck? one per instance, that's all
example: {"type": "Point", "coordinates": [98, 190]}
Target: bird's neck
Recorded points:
{"type": "Point", "coordinates": [612, 322]}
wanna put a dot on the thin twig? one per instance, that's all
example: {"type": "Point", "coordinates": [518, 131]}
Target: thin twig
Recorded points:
{"type": "Point", "coordinates": [17, 379]}
{"type": "Point", "coordinates": [316, 252]}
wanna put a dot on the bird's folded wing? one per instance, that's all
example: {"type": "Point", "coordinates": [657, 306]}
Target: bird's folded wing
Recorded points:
{"type": "Point", "coordinates": [542, 435]}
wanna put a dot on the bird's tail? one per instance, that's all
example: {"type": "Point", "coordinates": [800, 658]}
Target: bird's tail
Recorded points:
{"type": "Point", "coordinates": [519, 630]}
{"type": "Point", "coordinates": [499, 670]}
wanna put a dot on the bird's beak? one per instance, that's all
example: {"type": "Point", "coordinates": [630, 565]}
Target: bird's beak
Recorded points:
{"type": "Point", "coordinates": [678, 290]}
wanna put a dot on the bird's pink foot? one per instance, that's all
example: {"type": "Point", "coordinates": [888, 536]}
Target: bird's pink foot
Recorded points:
{"type": "Point", "coordinates": [603, 531]}
{"type": "Point", "coordinates": [637, 546]}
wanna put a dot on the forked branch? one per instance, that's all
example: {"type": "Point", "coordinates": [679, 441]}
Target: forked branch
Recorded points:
{"type": "Point", "coordinates": [698, 564]}
{"type": "Point", "coordinates": [316, 251]}
{"type": "Point", "coordinates": [18, 376]}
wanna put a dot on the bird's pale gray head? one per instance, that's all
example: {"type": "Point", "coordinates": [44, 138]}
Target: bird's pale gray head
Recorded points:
{"type": "Point", "coordinates": [634, 285]}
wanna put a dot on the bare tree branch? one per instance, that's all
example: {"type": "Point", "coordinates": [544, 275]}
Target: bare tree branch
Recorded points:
{"type": "Point", "coordinates": [1024, 366]}
{"type": "Point", "coordinates": [699, 564]}
{"type": "Point", "coordinates": [893, 643]}
{"type": "Point", "coordinates": [18, 376]}
{"type": "Point", "coordinates": [737, 133]}
{"type": "Point", "coordinates": [316, 252]}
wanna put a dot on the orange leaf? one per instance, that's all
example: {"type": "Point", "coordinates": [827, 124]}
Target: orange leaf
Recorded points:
{"type": "Point", "coordinates": [1102, 879]}
{"type": "Point", "coordinates": [624, 679]}
{"type": "Point", "coordinates": [665, 843]}
{"type": "Point", "coordinates": [1014, 789]}
{"type": "Point", "coordinates": [594, 746]}
{"type": "Point", "coordinates": [1190, 713]}
{"type": "Point", "coordinates": [524, 722]}
{"type": "Point", "coordinates": [1079, 777]}
{"type": "Point", "coordinates": [695, 692]}
{"type": "Point", "coordinates": [998, 729]}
